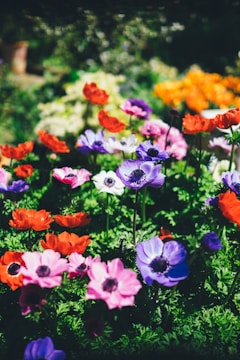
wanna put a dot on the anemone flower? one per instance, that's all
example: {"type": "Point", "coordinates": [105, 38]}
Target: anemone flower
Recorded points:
{"type": "Point", "coordinates": [24, 170]}
{"type": "Point", "coordinates": [10, 264]}
{"type": "Point", "coordinates": [18, 152]}
{"type": "Point", "coordinates": [211, 242]}
{"type": "Point", "coordinates": [31, 299]}
{"type": "Point", "coordinates": [80, 219]}
{"type": "Point", "coordinates": [73, 177]}
{"type": "Point", "coordinates": [80, 265]}
{"type": "Point", "coordinates": [24, 219]}
{"type": "Point", "coordinates": [43, 348]}
{"type": "Point", "coordinates": [137, 107]}
{"type": "Point", "coordinates": [17, 186]}
{"type": "Point", "coordinates": [109, 182]}
{"type": "Point", "coordinates": [149, 152]}
{"type": "Point", "coordinates": [52, 142]}
{"type": "Point", "coordinates": [231, 179]}
{"type": "Point", "coordinates": [126, 145]}
{"type": "Point", "coordinates": [112, 283]}
{"type": "Point", "coordinates": [95, 95]}
{"type": "Point", "coordinates": [91, 141]}
{"type": "Point", "coordinates": [164, 262]}
{"type": "Point", "coordinates": [43, 269]}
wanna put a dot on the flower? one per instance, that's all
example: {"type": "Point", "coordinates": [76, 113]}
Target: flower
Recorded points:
{"type": "Point", "coordinates": [126, 145]}
{"type": "Point", "coordinates": [31, 299]}
{"type": "Point", "coordinates": [222, 143]}
{"type": "Point", "coordinates": [217, 168]}
{"type": "Point", "coordinates": [91, 142]}
{"type": "Point", "coordinates": [10, 263]}
{"type": "Point", "coordinates": [229, 205]}
{"type": "Point", "coordinates": [80, 265]}
{"type": "Point", "coordinates": [211, 242]}
{"type": "Point", "coordinates": [43, 268]}
{"type": "Point", "coordinates": [94, 94]}
{"type": "Point", "coordinates": [193, 124]}
{"type": "Point", "coordinates": [136, 174]}
{"type": "Point", "coordinates": [16, 187]}
{"type": "Point", "coordinates": [52, 142]}
{"type": "Point", "coordinates": [18, 152]}
{"type": "Point", "coordinates": [94, 326]}
{"type": "Point", "coordinates": [149, 152]}
{"type": "Point", "coordinates": [66, 243]}
{"type": "Point", "coordinates": [228, 119]}
{"type": "Point", "coordinates": [24, 219]}
{"type": "Point", "coordinates": [136, 107]}
{"type": "Point", "coordinates": [164, 262]}
{"type": "Point", "coordinates": [150, 128]}
{"type": "Point", "coordinates": [42, 348]}
{"type": "Point", "coordinates": [232, 180]}
{"type": "Point", "coordinates": [73, 177]}
{"type": "Point", "coordinates": [24, 170]}
{"type": "Point", "coordinates": [73, 220]}
{"type": "Point", "coordinates": [112, 283]}
{"type": "Point", "coordinates": [4, 177]}
{"type": "Point", "coordinates": [110, 123]}
{"type": "Point", "coordinates": [109, 182]}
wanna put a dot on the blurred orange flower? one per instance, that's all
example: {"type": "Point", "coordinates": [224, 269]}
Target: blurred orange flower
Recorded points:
{"type": "Point", "coordinates": [24, 170]}
{"type": "Point", "coordinates": [18, 152]}
{"type": "Point", "coordinates": [52, 142]}
{"type": "Point", "coordinates": [23, 219]}
{"type": "Point", "coordinates": [226, 120]}
{"type": "Point", "coordinates": [229, 205]}
{"type": "Point", "coordinates": [72, 220]}
{"type": "Point", "coordinates": [94, 94]}
{"type": "Point", "coordinates": [110, 123]}
{"type": "Point", "coordinates": [165, 234]}
{"type": "Point", "coordinates": [66, 243]}
{"type": "Point", "coordinates": [193, 124]}
{"type": "Point", "coordinates": [10, 264]}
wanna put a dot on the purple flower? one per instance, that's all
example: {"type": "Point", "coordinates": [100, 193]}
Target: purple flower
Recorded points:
{"type": "Point", "coordinates": [212, 201]}
{"type": "Point", "coordinates": [136, 107]}
{"type": "Point", "coordinates": [16, 187]}
{"type": "Point", "coordinates": [43, 348]}
{"type": "Point", "coordinates": [91, 141]}
{"type": "Point", "coordinates": [148, 151]}
{"type": "Point", "coordinates": [162, 262]}
{"type": "Point", "coordinates": [31, 299]}
{"type": "Point", "coordinates": [211, 242]}
{"type": "Point", "coordinates": [232, 180]}
{"type": "Point", "coordinates": [136, 174]}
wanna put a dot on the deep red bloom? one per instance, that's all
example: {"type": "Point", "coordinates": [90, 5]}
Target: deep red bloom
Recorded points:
{"type": "Point", "coordinates": [18, 152]}
{"type": "Point", "coordinates": [24, 170]}
{"type": "Point", "coordinates": [73, 220]}
{"type": "Point", "coordinates": [52, 142]}
{"type": "Point", "coordinates": [165, 234]}
{"type": "Point", "coordinates": [94, 94]}
{"type": "Point", "coordinates": [10, 264]}
{"type": "Point", "coordinates": [24, 219]}
{"type": "Point", "coordinates": [226, 120]}
{"type": "Point", "coordinates": [110, 123]}
{"type": "Point", "coordinates": [193, 124]}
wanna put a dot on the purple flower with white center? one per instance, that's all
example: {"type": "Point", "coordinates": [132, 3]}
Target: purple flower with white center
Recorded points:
{"type": "Point", "coordinates": [91, 141]}
{"type": "Point", "coordinates": [136, 174]}
{"type": "Point", "coordinates": [232, 180]}
{"type": "Point", "coordinates": [211, 242]}
{"type": "Point", "coordinates": [72, 177]}
{"type": "Point", "coordinates": [164, 262]}
{"type": "Point", "coordinates": [16, 187]}
{"type": "Point", "coordinates": [43, 349]}
{"type": "Point", "coordinates": [149, 152]}
{"type": "Point", "coordinates": [126, 145]}
{"type": "Point", "coordinates": [109, 182]}
{"type": "Point", "coordinates": [137, 107]}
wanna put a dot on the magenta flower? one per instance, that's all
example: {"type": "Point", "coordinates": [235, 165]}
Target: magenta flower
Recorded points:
{"type": "Point", "coordinates": [31, 299]}
{"type": "Point", "coordinates": [80, 265]}
{"type": "Point", "coordinates": [73, 177]}
{"type": "Point", "coordinates": [136, 107]}
{"type": "Point", "coordinates": [112, 283]}
{"type": "Point", "coordinates": [44, 269]}
{"type": "Point", "coordinates": [221, 143]}
{"type": "Point", "coordinates": [43, 349]}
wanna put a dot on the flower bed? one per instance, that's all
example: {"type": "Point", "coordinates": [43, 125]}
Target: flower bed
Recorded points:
{"type": "Point", "coordinates": [121, 242]}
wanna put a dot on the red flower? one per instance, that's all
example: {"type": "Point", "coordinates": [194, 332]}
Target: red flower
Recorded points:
{"type": "Point", "coordinates": [24, 170]}
{"type": "Point", "coordinates": [18, 152]}
{"type": "Point", "coordinates": [73, 220]}
{"type": "Point", "coordinates": [110, 123]}
{"type": "Point", "coordinates": [226, 120]}
{"type": "Point", "coordinates": [229, 205]}
{"type": "Point", "coordinates": [10, 264]}
{"type": "Point", "coordinates": [66, 243]}
{"type": "Point", "coordinates": [52, 142]}
{"type": "Point", "coordinates": [165, 234]}
{"type": "Point", "coordinates": [193, 124]}
{"type": "Point", "coordinates": [94, 94]}
{"type": "Point", "coordinates": [24, 219]}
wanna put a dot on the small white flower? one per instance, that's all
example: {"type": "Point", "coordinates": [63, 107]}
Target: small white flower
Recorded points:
{"type": "Point", "coordinates": [109, 182]}
{"type": "Point", "coordinates": [217, 168]}
{"type": "Point", "coordinates": [126, 145]}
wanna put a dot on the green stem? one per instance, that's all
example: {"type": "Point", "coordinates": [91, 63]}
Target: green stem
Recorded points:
{"type": "Point", "coordinates": [135, 218]}
{"type": "Point", "coordinates": [144, 204]}
{"type": "Point", "coordinates": [108, 217]}
{"type": "Point", "coordinates": [232, 155]}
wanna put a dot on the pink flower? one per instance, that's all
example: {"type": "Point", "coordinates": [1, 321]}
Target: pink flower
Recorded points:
{"type": "Point", "coordinates": [112, 283]}
{"type": "Point", "coordinates": [221, 142]}
{"type": "Point", "coordinates": [43, 268]}
{"type": "Point", "coordinates": [80, 265]}
{"type": "Point", "coordinates": [73, 177]}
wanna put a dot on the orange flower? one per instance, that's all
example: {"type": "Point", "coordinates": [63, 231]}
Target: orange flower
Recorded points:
{"type": "Point", "coordinates": [109, 122]}
{"type": "Point", "coordinates": [10, 264]}
{"type": "Point", "coordinates": [17, 152]}
{"type": "Point", "coordinates": [193, 124]}
{"type": "Point", "coordinates": [165, 234]}
{"type": "Point", "coordinates": [23, 219]}
{"type": "Point", "coordinates": [52, 142]}
{"type": "Point", "coordinates": [231, 117]}
{"type": "Point", "coordinates": [94, 94]}
{"type": "Point", "coordinates": [229, 205]}
{"type": "Point", "coordinates": [73, 220]}
{"type": "Point", "coordinates": [66, 243]}
{"type": "Point", "coordinates": [24, 170]}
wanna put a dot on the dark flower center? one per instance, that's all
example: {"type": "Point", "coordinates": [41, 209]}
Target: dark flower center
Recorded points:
{"type": "Point", "coordinates": [13, 269]}
{"type": "Point", "coordinates": [123, 142]}
{"type": "Point", "coordinates": [110, 285]}
{"type": "Point", "coordinates": [97, 143]}
{"type": "Point", "coordinates": [236, 186]}
{"type": "Point", "coordinates": [159, 264]}
{"type": "Point", "coordinates": [137, 176]}
{"type": "Point", "coordinates": [70, 176]}
{"type": "Point", "coordinates": [43, 271]}
{"type": "Point", "coordinates": [109, 182]}
{"type": "Point", "coordinates": [81, 268]}
{"type": "Point", "coordinates": [152, 152]}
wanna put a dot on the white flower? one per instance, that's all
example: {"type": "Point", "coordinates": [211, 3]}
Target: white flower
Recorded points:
{"type": "Point", "coordinates": [126, 145]}
{"type": "Point", "coordinates": [109, 182]}
{"type": "Point", "coordinates": [217, 168]}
